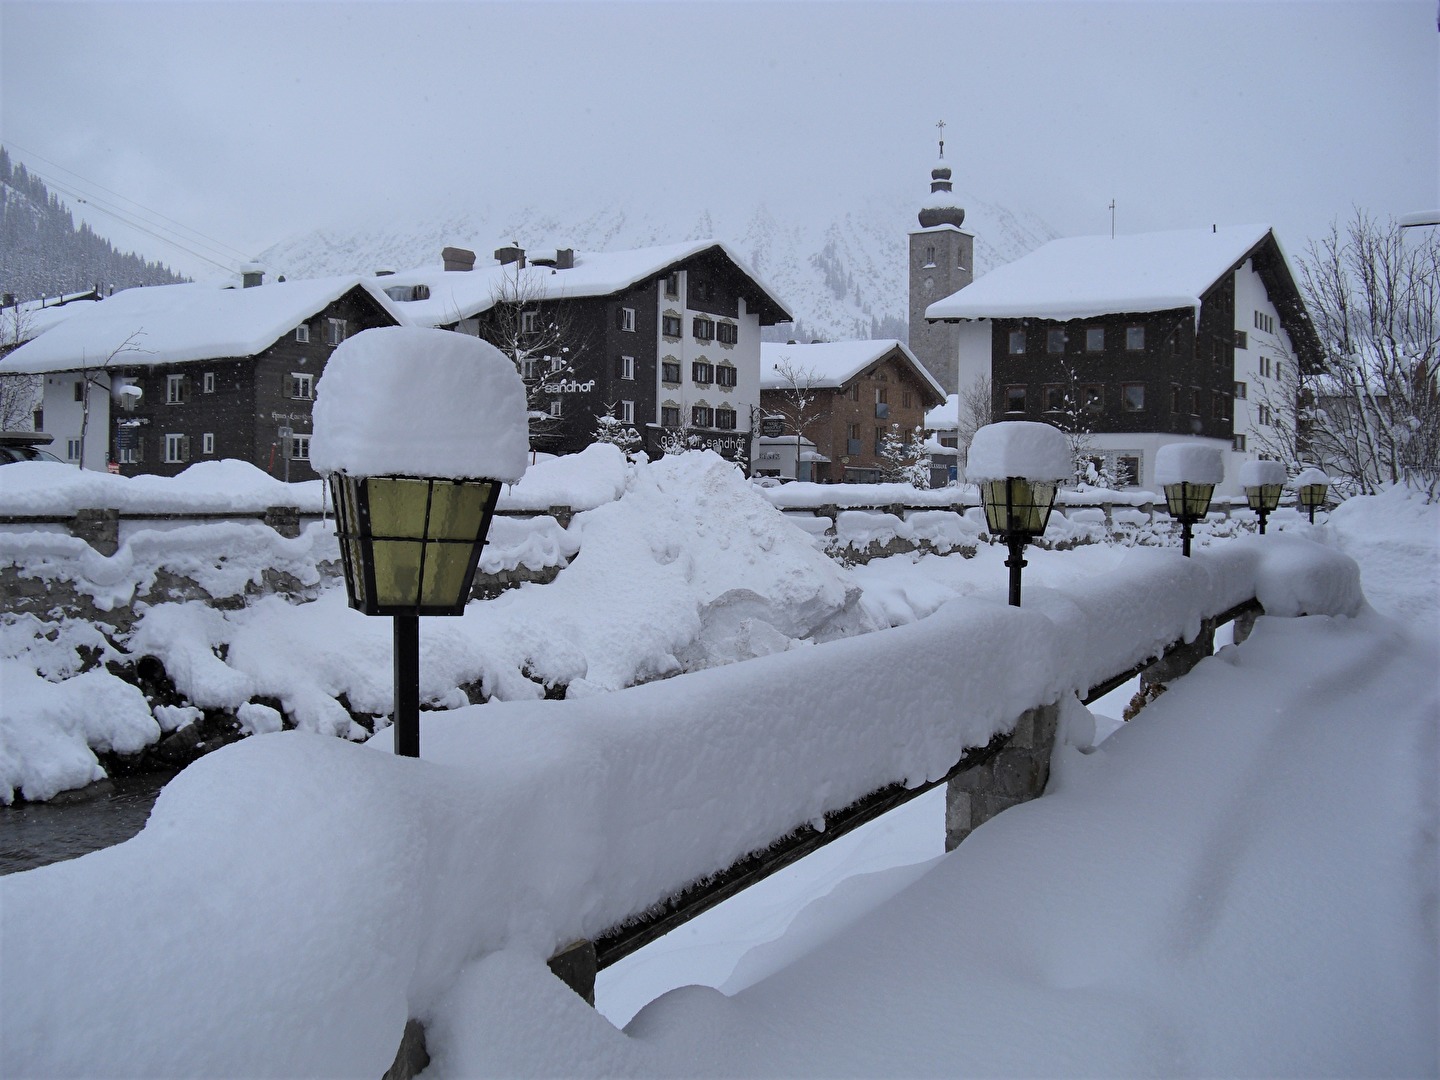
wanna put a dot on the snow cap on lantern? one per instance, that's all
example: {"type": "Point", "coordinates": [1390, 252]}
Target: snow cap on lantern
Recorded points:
{"type": "Point", "coordinates": [1310, 478]}
{"type": "Point", "coordinates": [1189, 463]}
{"type": "Point", "coordinates": [1018, 465]}
{"type": "Point", "coordinates": [1018, 448]}
{"type": "Point", "coordinates": [413, 401]}
{"type": "Point", "coordinates": [1262, 474]}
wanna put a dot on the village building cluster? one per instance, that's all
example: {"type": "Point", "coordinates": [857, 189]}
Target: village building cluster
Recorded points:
{"type": "Point", "coordinates": [1138, 340]}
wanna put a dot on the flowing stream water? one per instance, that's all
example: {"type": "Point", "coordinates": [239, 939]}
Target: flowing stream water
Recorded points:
{"type": "Point", "coordinates": [75, 823]}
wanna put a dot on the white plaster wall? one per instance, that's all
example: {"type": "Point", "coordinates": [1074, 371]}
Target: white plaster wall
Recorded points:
{"type": "Point", "coordinates": [1148, 443]}
{"type": "Point", "coordinates": [974, 346]}
{"type": "Point", "coordinates": [1250, 297]}
{"type": "Point", "coordinates": [64, 417]}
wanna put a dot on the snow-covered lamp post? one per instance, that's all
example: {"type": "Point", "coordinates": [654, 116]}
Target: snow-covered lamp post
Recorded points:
{"type": "Point", "coordinates": [1313, 485]}
{"type": "Point", "coordinates": [1019, 466]}
{"type": "Point", "coordinates": [1263, 481]}
{"type": "Point", "coordinates": [417, 429]}
{"type": "Point", "coordinates": [1188, 472]}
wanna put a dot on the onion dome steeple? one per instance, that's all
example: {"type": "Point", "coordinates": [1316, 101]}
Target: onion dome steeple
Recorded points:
{"type": "Point", "coordinates": [940, 208]}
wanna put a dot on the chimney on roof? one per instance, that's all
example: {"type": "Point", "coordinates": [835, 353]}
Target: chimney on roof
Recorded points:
{"type": "Point", "coordinates": [7, 300]}
{"type": "Point", "coordinates": [385, 271]}
{"type": "Point", "coordinates": [458, 258]}
{"type": "Point", "coordinates": [251, 274]}
{"type": "Point", "coordinates": [510, 254]}
{"type": "Point", "coordinates": [565, 259]}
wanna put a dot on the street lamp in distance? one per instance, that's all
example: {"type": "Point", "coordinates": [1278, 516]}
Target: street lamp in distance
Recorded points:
{"type": "Point", "coordinates": [1018, 466]}
{"type": "Point", "coordinates": [1263, 482]}
{"type": "Point", "coordinates": [1312, 485]}
{"type": "Point", "coordinates": [1188, 472]}
{"type": "Point", "coordinates": [417, 429]}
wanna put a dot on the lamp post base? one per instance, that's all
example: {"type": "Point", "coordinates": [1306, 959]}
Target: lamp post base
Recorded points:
{"type": "Point", "coordinates": [407, 685]}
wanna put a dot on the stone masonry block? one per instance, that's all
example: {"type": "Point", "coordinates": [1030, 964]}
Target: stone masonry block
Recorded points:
{"type": "Point", "coordinates": [958, 817]}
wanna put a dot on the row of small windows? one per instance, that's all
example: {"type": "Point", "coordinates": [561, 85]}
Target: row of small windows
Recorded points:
{"type": "Point", "coordinates": [699, 288]}
{"type": "Point", "coordinates": [702, 372]}
{"type": "Point", "coordinates": [1057, 339]}
{"type": "Point", "coordinates": [1264, 322]}
{"type": "Point", "coordinates": [702, 329]}
{"type": "Point", "coordinates": [178, 448]}
{"type": "Point", "coordinates": [702, 416]}
{"type": "Point", "coordinates": [1056, 398]}
{"type": "Point", "coordinates": [335, 331]}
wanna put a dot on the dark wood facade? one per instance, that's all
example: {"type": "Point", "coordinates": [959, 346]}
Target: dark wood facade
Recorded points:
{"type": "Point", "coordinates": [1160, 371]}
{"type": "Point", "coordinates": [235, 407]}
{"type": "Point", "coordinates": [598, 337]}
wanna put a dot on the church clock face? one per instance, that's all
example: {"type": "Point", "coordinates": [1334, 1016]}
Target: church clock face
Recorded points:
{"type": "Point", "coordinates": [929, 284]}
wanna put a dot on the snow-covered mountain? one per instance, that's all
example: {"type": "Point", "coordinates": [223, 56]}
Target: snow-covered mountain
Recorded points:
{"type": "Point", "coordinates": [843, 273]}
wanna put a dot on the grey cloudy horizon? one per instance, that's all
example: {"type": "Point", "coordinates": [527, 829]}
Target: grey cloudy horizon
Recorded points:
{"type": "Point", "coordinates": [252, 122]}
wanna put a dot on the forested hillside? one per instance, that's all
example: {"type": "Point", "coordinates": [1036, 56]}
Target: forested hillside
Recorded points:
{"type": "Point", "coordinates": [43, 253]}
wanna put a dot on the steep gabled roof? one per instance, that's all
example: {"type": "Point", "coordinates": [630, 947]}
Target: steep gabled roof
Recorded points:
{"type": "Point", "coordinates": [168, 324]}
{"type": "Point", "coordinates": [1085, 276]}
{"type": "Point", "coordinates": [462, 294]}
{"type": "Point", "coordinates": [835, 363]}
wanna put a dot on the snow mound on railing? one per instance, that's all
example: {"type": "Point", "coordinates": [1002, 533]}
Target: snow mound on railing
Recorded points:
{"type": "Point", "coordinates": [532, 824]}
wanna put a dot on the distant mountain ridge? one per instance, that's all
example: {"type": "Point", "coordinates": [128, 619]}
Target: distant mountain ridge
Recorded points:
{"type": "Point", "coordinates": [842, 275]}
{"type": "Point", "coordinates": [43, 253]}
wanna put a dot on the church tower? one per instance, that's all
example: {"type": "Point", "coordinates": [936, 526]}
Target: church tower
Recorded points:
{"type": "Point", "coordinates": [942, 262]}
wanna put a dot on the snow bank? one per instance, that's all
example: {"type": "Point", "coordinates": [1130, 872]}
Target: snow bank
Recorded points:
{"type": "Point", "coordinates": [1189, 463]}
{"type": "Point", "coordinates": [527, 825]}
{"type": "Point", "coordinates": [207, 487]}
{"type": "Point", "coordinates": [412, 401]}
{"type": "Point", "coordinates": [580, 481]}
{"type": "Point", "coordinates": [223, 558]}
{"type": "Point", "coordinates": [1018, 448]}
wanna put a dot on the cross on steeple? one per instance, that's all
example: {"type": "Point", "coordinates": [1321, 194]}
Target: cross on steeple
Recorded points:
{"type": "Point", "coordinates": [941, 126]}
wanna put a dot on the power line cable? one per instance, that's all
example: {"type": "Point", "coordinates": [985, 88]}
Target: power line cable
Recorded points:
{"type": "Point", "coordinates": [196, 237]}
{"type": "Point", "coordinates": [139, 226]}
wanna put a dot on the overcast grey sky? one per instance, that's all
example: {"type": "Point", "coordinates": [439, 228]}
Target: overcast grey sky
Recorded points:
{"type": "Point", "coordinates": [254, 121]}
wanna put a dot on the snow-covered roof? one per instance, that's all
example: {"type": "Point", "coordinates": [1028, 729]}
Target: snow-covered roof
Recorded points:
{"type": "Point", "coordinates": [461, 294]}
{"type": "Point", "coordinates": [22, 322]}
{"type": "Point", "coordinates": [834, 363]}
{"type": "Point", "coordinates": [174, 323]}
{"type": "Point", "coordinates": [1085, 276]}
{"type": "Point", "coordinates": [944, 417]}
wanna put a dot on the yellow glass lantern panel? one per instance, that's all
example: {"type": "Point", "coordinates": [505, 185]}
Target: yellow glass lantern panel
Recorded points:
{"type": "Point", "coordinates": [1263, 496]}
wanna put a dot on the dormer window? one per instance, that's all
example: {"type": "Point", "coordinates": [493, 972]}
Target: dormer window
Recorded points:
{"type": "Point", "coordinates": [302, 333]}
{"type": "Point", "coordinates": [527, 322]}
{"type": "Point", "coordinates": [672, 285]}
{"type": "Point", "coordinates": [334, 331]}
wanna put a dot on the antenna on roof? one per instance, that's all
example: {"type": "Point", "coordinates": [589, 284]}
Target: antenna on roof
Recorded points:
{"type": "Point", "coordinates": [1112, 219]}
{"type": "Point", "coordinates": [941, 126]}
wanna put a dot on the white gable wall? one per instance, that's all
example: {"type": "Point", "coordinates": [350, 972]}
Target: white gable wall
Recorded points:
{"type": "Point", "coordinates": [64, 417]}
{"type": "Point", "coordinates": [1264, 349]}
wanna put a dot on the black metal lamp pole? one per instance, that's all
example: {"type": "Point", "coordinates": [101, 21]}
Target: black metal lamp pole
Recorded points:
{"type": "Point", "coordinates": [1185, 536]}
{"type": "Point", "coordinates": [407, 685]}
{"type": "Point", "coordinates": [1016, 544]}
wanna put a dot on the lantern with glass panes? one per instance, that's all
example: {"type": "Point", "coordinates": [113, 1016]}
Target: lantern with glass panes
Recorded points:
{"type": "Point", "coordinates": [1018, 466]}
{"type": "Point", "coordinates": [1263, 482]}
{"type": "Point", "coordinates": [1312, 485]}
{"type": "Point", "coordinates": [1188, 472]}
{"type": "Point", "coordinates": [417, 429]}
